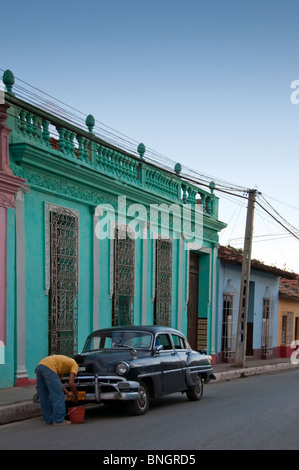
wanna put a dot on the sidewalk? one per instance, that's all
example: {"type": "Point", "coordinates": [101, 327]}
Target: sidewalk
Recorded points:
{"type": "Point", "coordinates": [224, 371]}
{"type": "Point", "coordinates": [16, 403]}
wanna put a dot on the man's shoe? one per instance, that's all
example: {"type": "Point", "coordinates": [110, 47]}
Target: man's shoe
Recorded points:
{"type": "Point", "coordinates": [62, 423]}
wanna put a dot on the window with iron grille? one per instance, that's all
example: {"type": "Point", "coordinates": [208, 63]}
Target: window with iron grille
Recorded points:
{"type": "Point", "coordinates": [267, 326]}
{"type": "Point", "coordinates": [163, 284]}
{"type": "Point", "coordinates": [287, 328]}
{"type": "Point", "coordinates": [229, 319]}
{"type": "Point", "coordinates": [284, 329]}
{"type": "Point", "coordinates": [124, 278]}
{"type": "Point", "coordinates": [63, 292]}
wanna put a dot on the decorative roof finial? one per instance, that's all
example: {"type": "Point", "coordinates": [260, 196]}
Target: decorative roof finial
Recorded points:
{"type": "Point", "coordinates": [212, 186]}
{"type": "Point", "coordinates": [90, 122]}
{"type": "Point", "coordinates": [141, 150]}
{"type": "Point", "coordinates": [178, 168]}
{"type": "Point", "coordinates": [8, 80]}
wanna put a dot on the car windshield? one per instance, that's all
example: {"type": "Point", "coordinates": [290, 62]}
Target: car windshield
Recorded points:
{"type": "Point", "coordinates": [119, 339]}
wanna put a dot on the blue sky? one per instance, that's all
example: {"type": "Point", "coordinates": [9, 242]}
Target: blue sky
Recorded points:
{"type": "Point", "coordinates": [203, 83]}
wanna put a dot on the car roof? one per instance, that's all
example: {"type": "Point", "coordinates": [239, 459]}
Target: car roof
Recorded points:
{"type": "Point", "coordinates": [148, 328]}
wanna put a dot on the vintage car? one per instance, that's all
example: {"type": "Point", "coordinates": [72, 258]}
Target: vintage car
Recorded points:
{"type": "Point", "coordinates": [134, 363]}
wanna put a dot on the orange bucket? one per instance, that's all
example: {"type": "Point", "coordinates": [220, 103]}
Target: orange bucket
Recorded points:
{"type": "Point", "coordinates": [77, 414]}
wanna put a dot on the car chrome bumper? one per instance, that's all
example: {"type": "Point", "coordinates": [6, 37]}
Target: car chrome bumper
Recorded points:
{"type": "Point", "coordinates": [205, 371]}
{"type": "Point", "coordinates": [99, 389]}
{"type": "Point", "coordinates": [118, 396]}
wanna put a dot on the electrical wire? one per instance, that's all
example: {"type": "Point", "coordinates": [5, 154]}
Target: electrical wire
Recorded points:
{"type": "Point", "coordinates": [116, 138]}
{"type": "Point", "coordinates": [278, 221]}
{"type": "Point", "coordinates": [52, 105]}
{"type": "Point", "coordinates": [282, 218]}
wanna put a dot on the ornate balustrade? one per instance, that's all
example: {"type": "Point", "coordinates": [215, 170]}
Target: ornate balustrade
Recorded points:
{"type": "Point", "coordinates": [46, 131]}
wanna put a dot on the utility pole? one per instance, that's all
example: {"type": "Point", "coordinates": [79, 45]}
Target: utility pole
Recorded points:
{"type": "Point", "coordinates": [245, 279]}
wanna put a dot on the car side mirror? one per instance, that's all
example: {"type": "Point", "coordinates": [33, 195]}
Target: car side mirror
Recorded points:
{"type": "Point", "coordinates": [158, 348]}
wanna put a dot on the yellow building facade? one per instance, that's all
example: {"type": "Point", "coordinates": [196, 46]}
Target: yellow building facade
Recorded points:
{"type": "Point", "coordinates": [288, 317]}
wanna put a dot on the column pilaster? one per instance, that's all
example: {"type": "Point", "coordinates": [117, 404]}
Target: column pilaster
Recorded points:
{"type": "Point", "coordinates": [9, 186]}
{"type": "Point", "coordinates": [21, 373]}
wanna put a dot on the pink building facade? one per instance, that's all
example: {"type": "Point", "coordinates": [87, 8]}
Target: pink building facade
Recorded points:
{"type": "Point", "coordinates": [9, 186]}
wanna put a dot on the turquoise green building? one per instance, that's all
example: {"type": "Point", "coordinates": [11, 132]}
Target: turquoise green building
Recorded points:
{"type": "Point", "coordinates": [94, 236]}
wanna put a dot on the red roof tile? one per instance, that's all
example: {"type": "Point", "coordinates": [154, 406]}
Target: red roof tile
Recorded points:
{"type": "Point", "coordinates": [289, 288]}
{"type": "Point", "coordinates": [230, 256]}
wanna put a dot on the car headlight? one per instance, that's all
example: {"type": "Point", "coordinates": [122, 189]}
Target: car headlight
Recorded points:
{"type": "Point", "coordinates": [122, 368]}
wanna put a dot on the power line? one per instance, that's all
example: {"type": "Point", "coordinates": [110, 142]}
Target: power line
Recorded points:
{"type": "Point", "coordinates": [263, 238]}
{"type": "Point", "coordinates": [113, 136]}
{"type": "Point", "coordinates": [285, 221]}
{"type": "Point", "coordinates": [278, 221]}
{"type": "Point", "coordinates": [48, 103]}
{"type": "Point", "coordinates": [291, 206]}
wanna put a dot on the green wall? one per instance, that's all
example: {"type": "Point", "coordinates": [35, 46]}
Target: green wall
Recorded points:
{"type": "Point", "coordinates": [8, 369]}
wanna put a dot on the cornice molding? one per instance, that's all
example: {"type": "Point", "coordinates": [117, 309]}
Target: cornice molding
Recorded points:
{"type": "Point", "coordinates": [9, 186]}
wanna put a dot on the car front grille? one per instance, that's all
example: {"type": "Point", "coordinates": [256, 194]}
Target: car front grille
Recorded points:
{"type": "Point", "coordinates": [89, 382]}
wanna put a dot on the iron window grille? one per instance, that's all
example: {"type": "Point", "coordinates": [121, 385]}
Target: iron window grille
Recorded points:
{"type": "Point", "coordinates": [287, 328]}
{"type": "Point", "coordinates": [123, 277]}
{"type": "Point", "coordinates": [229, 321]}
{"type": "Point", "coordinates": [63, 281]}
{"type": "Point", "coordinates": [267, 322]}
{"type": "Point", "coordinates": [163, 284]}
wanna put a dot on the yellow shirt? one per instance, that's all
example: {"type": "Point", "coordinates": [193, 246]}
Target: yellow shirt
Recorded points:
{"type": "Point", "coordinates": [60, 364]}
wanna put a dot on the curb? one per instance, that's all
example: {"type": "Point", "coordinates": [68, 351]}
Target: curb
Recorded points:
{"type": "Point", "coordinates": [250, 371]}
{"type": "Point", "coordinates": [19, 411]}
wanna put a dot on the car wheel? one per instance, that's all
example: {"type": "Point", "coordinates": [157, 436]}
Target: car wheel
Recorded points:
{"type": "Point", "coordinates": [196, 392]}
{"type": "Point", "coordinates": [139, 406]}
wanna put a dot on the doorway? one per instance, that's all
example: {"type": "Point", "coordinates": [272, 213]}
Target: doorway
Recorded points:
{"type": "Point", "coordinates": [249, 336]}
{"type": "Point", "coordinates": [192, 312]}
{"type": "Point", "coordinates": [296, 328]}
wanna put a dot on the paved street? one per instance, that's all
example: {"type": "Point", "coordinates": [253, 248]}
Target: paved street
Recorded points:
{"type": "Point", "coordinates": [260, 412]}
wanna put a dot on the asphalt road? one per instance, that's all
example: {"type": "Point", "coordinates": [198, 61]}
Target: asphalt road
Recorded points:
{"type": "Point", "coordinates": [260, 412]}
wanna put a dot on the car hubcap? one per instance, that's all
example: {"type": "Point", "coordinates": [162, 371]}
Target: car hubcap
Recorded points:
{"type": "Point", "coordinates": [198, 386]}
{"type": "Point", "coordinates": [142, 400]}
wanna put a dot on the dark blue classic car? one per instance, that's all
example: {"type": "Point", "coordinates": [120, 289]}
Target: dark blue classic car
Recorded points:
{"type": "Point", "coordinates": [134, 363]}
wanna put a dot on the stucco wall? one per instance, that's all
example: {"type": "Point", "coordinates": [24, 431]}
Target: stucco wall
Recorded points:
{"type": "Point", "coordinates": [258, 283]}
